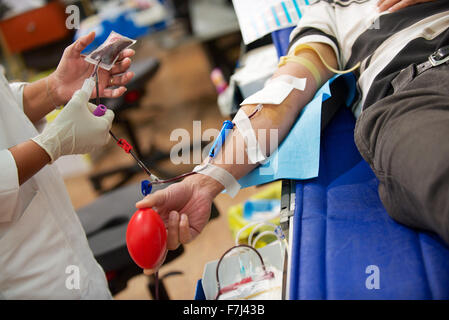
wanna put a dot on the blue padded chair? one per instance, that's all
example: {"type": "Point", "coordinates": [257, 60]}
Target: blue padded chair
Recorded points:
{"type": "Point", "coordinates": [343, 239]}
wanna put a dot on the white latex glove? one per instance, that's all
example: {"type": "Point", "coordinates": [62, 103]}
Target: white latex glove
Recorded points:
{"type": "Point", "coordinates": [75, 130]}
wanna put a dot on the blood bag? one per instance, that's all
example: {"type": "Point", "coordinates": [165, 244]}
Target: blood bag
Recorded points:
{"type": "Point", "coordinates": [108, 52]}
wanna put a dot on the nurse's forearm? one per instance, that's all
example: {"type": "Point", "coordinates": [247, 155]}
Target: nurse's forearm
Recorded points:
{"type": "Point", "coordinates": [30, 158]}
{"type": "Point", "coordinates": [40, 98]}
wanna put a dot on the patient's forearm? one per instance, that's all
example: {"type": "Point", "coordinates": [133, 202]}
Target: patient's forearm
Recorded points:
{"type": "Point", "coordinates": [275, 117]}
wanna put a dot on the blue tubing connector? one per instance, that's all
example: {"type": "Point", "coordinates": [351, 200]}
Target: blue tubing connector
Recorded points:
{"type": "Point", "coordinates": [227, 127]}
{"type": "Point", "coordinates": [146, 187]}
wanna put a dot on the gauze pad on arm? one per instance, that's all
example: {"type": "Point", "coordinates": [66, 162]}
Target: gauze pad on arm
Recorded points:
{"type": "Point", "coordinates": [243, 124]}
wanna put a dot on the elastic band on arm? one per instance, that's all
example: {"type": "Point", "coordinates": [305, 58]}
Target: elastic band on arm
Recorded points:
{"type": "Point", "coordinates": [309, 65]}
{"type": "Point", "coordinates": [306, 63]}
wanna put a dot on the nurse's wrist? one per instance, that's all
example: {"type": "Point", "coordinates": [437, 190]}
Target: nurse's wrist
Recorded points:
{"type": "Point", "coordinates": [54, 94]}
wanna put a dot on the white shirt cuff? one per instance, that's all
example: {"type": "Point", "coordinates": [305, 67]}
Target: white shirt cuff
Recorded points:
{"type": "Point", "coordinates": [17, 91]}
{"type": "Point", "coordinates": [9, 187]}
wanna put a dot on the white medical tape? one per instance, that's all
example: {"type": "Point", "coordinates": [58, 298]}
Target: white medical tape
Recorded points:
{"type": "Point", "coordinates": [222, 176]}
{"type": "Point", "coordinates": [243, 124]}
{"type": "Point", "coordinates": [297, 83]}
{"type": "Point", "coordinates": [276, 90]}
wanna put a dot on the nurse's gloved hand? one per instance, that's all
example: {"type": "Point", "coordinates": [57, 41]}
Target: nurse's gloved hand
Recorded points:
{"type": "Point", "coordinates": [75, 130]}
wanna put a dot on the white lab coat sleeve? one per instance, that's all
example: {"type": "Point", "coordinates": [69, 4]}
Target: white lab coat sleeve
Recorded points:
{"type": "Point", "coordinates": [317, 25]}
{"type": "Point", "coordinates": [9, 186]}
{"type": "Point", "coordinates": [17, 91]}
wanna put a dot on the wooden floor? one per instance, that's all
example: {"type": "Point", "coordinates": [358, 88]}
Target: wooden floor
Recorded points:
{"type": "Point", "coordinates": [180, 93]}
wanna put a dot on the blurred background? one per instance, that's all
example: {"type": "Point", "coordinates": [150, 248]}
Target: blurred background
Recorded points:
{"type": "Point", "coordinates": [186, 52]}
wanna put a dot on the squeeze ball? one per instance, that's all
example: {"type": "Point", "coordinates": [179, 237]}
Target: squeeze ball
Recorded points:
{"type": "Point", "coordinates": [146, 238]}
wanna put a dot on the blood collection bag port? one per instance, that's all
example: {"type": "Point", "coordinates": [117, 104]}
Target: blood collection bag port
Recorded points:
{"type": "Point", "coordinates": [108, 52]}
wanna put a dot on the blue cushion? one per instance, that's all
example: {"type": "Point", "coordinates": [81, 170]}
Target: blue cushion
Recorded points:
{"type": "Point", "coordinates": [199, 291]}
{"type": "Point", "coordinates": [341, 228]}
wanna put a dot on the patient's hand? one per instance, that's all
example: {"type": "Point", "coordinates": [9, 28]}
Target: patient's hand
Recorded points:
{"type": "Point", "coordinates": [184, 207]}
{"type": "Point", "coordinates": [395, 5]}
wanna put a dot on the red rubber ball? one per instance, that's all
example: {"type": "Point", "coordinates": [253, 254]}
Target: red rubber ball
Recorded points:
{"type": "Point", "coordinates": [146, 238]}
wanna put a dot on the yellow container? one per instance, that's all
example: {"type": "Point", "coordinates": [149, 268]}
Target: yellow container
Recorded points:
{"type": "Point", "coordinates": [237, 221]}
